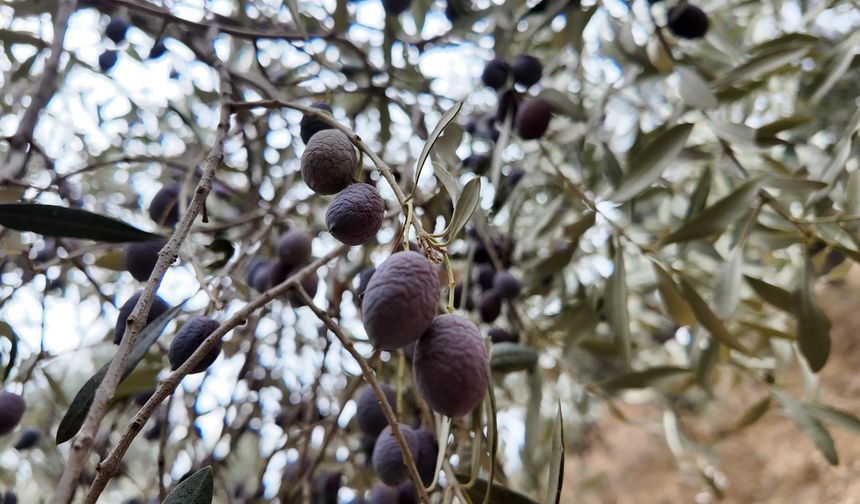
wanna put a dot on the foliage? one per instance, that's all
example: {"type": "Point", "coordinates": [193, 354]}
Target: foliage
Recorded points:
{"type": "Point", "coordinates": [669, 229]}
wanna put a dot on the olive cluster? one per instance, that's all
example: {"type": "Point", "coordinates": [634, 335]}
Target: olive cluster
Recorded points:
{"type": "Point", "coordinates": [329, 163]}
{"type": "Point", "coordinates": [531, 115]}
{"type": "Point", "coordinates": [293, 252]}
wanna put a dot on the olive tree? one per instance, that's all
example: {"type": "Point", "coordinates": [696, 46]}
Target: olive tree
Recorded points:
{"type": "Point", "coordinates": [329, 251]}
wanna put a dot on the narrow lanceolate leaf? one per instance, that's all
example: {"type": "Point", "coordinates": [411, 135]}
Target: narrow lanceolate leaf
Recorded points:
{"type": "Point", "coordinates": [716, 217]}
{"type": "Point", "coordinates": [836, 68]}
{"type": "Point", "coordinates": [77, 412]}
{"type": "Point", "coordinates": [813, 327]}
{"type": "Point", "coordinates": [616, 305]}
{"type": "Point", "coordinates": [643, 379]}
{"type": "Point", "coordinates": [772, 295]}
{"type": "Point", "coordinates": [751, 416]}
{"type": "Point", "coordinates": [197, 489]}
{"type": "Point", "coordinates": [9, 333]}
{"type": "Point", "coordinates": [448, 181]}
{"type": "Point", "coordinates": [694, 90]}
{"type": "Point", "coordinates": [803, 417]}
{"type": "Point", "coordinates": [647, 167]}
{"type": "Point", "coordinates": [708, 319]}
{"type": "Point", "coordinates": [52, 220]}
{"type": "Point", "coordinates": [728, 288]}
{"type": "Point", "coordinates": [835, 416]}
{"type": "Point", "coordinates": [465, 207]}
{"type": "Point", "coordinates": [673, 300]}
{"type": "Point", "coordinates": [763, 64]}
{"type": "Point", "coordinates": [446, 119]}
{"type": "Point", "coordinates": [556, 468]}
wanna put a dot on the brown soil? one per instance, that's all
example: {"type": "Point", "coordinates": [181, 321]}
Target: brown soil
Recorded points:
{"type": "Point", "coordinates": [770, 462]}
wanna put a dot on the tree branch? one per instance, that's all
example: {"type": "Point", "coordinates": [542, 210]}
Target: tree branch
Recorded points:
{"type": "Point", "coordinates": [20, 141]}
{"type": "Point", "coordinates": [108, 467]}
{"type": "Point", "coordinates": [137, 319]}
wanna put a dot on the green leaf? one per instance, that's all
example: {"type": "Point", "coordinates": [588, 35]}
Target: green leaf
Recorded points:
{"type": "Point", "coordinates": [448, 181]}
{"type": "Point", "coordinates": [673, 300]}
{"type": "Point", "coordinates": [10, 334]}
{"type": "Point", "coordinates": [465, 207]}
{"type": "Point", "coordinates": [758, 66]}
{"type": "Point", "coordinates": [642, 379]}
{"type": "Point", "coordinates": [751, 416]}
{"type": "Point", "coordinates": [835, 416]}
{"type": "Point", "coordinates": [52, 220]}
{"type": "Point", "coordinates": [716, 217]}
{"type": "Point", "coordinates": [803, 417]}
{"type": "Point", "coordinates": [446, 119]}
{"type": "Point", "coordinates": [694, 90]}
{"type": "Point", "coordinates": [509, 357]}
{"type": "Point", "coordinates": [770, 130]}
{"type": "Point", "coordinates": [197, 489]}
{"type": "Point", "coordinates": [497, 493]}
{"type": "Point", "coordinates": [649, 164]}
{"type": "Point", "coordinates": [813, 327]}
{"type": "Point", "coordinates": [77, 412]}
{"type": "Point", "coordinates": [708, 319]}
{"type": "Point", "coordinates": [836, 68]}
{"type": "Point", "coordinates": [773, 295]}
{"type": "Point", "coordinates": [616, 305]}
{"type": "Point", "coordinates": [728, 287]}
{"type": "Point", "coordinates": [556, 468]}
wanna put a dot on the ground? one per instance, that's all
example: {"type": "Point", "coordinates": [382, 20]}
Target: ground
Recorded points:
{"type": "Point", "coordinates": [771, 462]}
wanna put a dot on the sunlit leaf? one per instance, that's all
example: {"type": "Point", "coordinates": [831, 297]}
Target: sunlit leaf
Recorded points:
{"type": "Point", "coordinates": [446, 119]}
{"type": "Point", "coordinates": [616, 305]}
{"type": "Point", "coordinates": [676, 306]}
{"type": "Point", "coordinates": [716, 217]}
{"type": "Point", "coordinates": [728, 287]}
{"type": "Point", "coordinates": [694, 90]}
{"type": "Point", "coordinates": [649, 164]}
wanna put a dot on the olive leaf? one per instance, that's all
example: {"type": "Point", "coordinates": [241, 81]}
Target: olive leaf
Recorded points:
{"type": "Point", "coordinates": [835, 416]}
{"type": "Point", "coordinates": [762, 64]}
{"type": "Point", "coordinates": [649, 164]}
{"type": "Point", "coordinates": [77, 412]}
{"type": "Point", "coordinates": [464, 208]}
{"type": "Point", "coordinates": [708, 319]}
{"type": "Point", "coordinates": [616, 305]}
{"type": "Point", "coordinates": [717, 217]}
{"type": "Point", "coordinates": [53, 220]}
{"type": "Point", "coordinates": [728, 286]}
{"type": "Point", "coordinates": [446, 119]}
{"type": "Point", "coordinates": [694, 90]}
{"type": "Point", "coordinates": [642, 379]}
{"type": "Point", "coordinates": [448, 181]}
{"type": "Point", "coordinates": [813, 327]}
{"type": "Point", "coordinates": [801, 415]}
{"type": "Point", "coordinates": [673, 300]}
{"type": "Point", "coordinates": [196, 489]}
{"type": "Point", "coordinates": [771, 294]}
{"type": "Point", "coordinates": [556, 467]}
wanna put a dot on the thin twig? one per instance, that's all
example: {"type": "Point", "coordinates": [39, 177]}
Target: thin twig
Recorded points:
{"type": "Point", "coordinates": [21, 140]}
{"type": "Point", "coordinates": [83, 441]}
{"type": "Point", "coordinates": [108, 467]}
